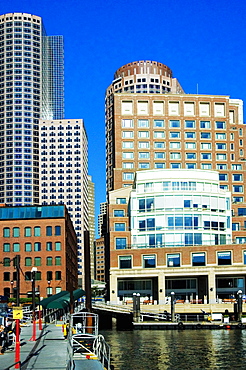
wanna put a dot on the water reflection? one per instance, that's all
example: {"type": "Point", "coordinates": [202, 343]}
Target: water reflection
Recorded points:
{"type": "Point", "coordinates": [183, 349]}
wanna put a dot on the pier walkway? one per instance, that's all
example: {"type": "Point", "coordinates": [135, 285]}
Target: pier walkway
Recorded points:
{"type": "Point", "coordinates": [49, 351]}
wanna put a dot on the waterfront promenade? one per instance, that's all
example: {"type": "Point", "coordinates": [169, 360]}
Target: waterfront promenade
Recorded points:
{"type": "Point", "coordinates": [49, 351]}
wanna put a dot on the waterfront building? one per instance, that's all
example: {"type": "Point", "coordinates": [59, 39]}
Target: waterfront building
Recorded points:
{"type": "Point", "coordinates": [31, 87]}
{"type": "Point", "coordinates": [63, 172]}
{"type": "Point", "coordinates": [45, 238]}
{"type": "Point", "coordinates": [172, 231]}
{"type": "Point", "coordinates": [152, 124]}
{"type": "Point", "coordinates": [99, 260]}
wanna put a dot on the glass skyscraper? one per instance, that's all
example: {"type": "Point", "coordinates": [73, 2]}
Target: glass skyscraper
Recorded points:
{"type": "Point", "coordinates": [31, 88]}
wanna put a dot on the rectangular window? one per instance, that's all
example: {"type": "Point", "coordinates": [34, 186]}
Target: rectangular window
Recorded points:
{"type": "Point", "coordinates": [49, 246]}
{"type": "Point", "coordinates": [206, 166]}
{"type": "Point", "coordinates": [174, 135]}
{"type": "Point", "coordinates": [143, 123]}
{"type": "Point", "coordinates": [190, 135]}
{"type": "Point", "coordinates": [120, 200]}
{"type": "Point", "coordinates": [6, 247]}
{"type": "Point", "coordinates": [220, 146]}
{"type": "Point", "coordinates": [189, 109]}
{"type": "Point", "coordinates": [58, 246]}
{"type": "Point", "coordinates": [237, 177]}
{"type": "Point", "coordinates": [143, 155]}
{"type": "Point", "coordinates": [6, 232]}
{"type": "Point", "coordinates": [174, 155]}
{"type": "Point", "coordinates": [174, 145]}
{"type": "Point", "coordinates": [143, 134]}
{"type": "Point", "coordinates": [37, 231]}
{"type": "Point", "coordinates": [127, 134]}
{"type": "Point", "coordinates": [149, 261]}
{"type": "Point", "coordinates": [125, 262]}
{"type": "Point", "coordinates": [120, 243]}
{"type": "Point", "coordinates": [28, 247]}
{"type": "Point", "coordinates": [206, 156]}
{"type": "Point", "coordinates": [237, 188]}
{"type": "Point", "coordinates": [160, 155]}
{"type": "Point", "coordinates": [127, 123]}
{"type": "Point", "coordinates": [128, 165]}
{"type": "Point", "coordinates": [28, 261]}
{"type": "Point", "coordinates": [142, 108]}
{"type": "Point", "coordinates": [160, 165]}
{"type": "Point", "coordinates": [119, 213]}
{"type": "Point", "coordinates": [190, 166]}
{"type": "Point", "coordinates": [173, 108]}
{"type": "Point", "coordinates": [206, 146]}
{"type": "Point", "coordinates": [223, 177]}
{"type": "Point", "coordinates": [198, 259]}
{"type": "Point", "coordinates": [189, 124]}
{"type": "Point", "coordinates": [190, 145]}
{"type": "Point", "coordinates": [28, 231]}
{"type": "Point", "coordinates": [220, 125]}
{"type": "Point", "coordinates": [204, 109]}
{"type": "Point", "coordinates": [143, 144]}
{"type": "Point", "coordinates": [173, 260]}
{"type": "Point", "coordinates": [128, 176]}
{"type": "Point", "coordinates": [158, 123]}
{"type": "Point", "coordinates": [57, 261]}
{"type": "Point", "coordinates": [127, 155]}
{"type": "Point", "coordinates": [119, 226]}
{"type": "Point", "coordinates": [220, 136]}
{"type": "Point", "coordinates": [16, 247]}
{"type": "Point", "coordinates": [205, 124]}
{"type": "Point", "coordinates": [127, 144]}
{"type": "Point", "coordinates": [48, 230]}
{"type": "Point", "coordinates": [174, 123]}
{"type": "Point", "coordinates": [37, 247]}
{"type": "Point", "coordinates": [57, 230]}
{"type": "Point", "coordinates": [159, 144]}
{"type": "Point", "coordinates": [190, 155]}
{"type": "Point", "coordinates": [158, 108]}
{"type": "Point", "coordinates": [205, 135]}
{"type": "Point", "coordinates": [221, 157]}
{"type": "Point", "coordinates": [219, 109]}
{"type": "Point", "coordinates": [143, 165]}
{"type": "Point", "coordinates": [127, 107]}
{"type": "Point", "coordinates": [159, 134]}
{"type": "Point", "coordinates": [37, 261]}
{"type": "Point", "coordinates": [224, 258]}
{"type": "Point", "coordinates": [220, 166]}
{"type": "Point", "coordinates": [175, 165]}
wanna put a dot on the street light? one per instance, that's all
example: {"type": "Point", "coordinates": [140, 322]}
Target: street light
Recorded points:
{"type": "Point", "coordinates": [33, 273]}
{"type": "Point", "coordinates": [172, 306]}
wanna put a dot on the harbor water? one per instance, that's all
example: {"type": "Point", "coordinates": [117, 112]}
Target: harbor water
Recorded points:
{"type": "Point", "coordinates": [177, 349]}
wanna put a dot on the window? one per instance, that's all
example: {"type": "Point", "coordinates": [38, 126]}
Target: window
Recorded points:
{"type": "Point", "coordinates": [143, 155]}
{"type": "Point", "coordinates": [190, 155]}
{"type": "Point", "coordinates": [143, 144]}
{"type": "Point", "coordinates": [159, 134]}
{"type": "Point", "coordinates": [6, 247]}
{"type": "Point", "coordinates": [125, 262]}
{"type": "Point", "coordinates": [16, 247]}
{"type": "Point", "coordinates": [37, 247]}
{"type": "Point", "coordinates": [205, 124]}
{"type": "Point", "coordinates": [128, 176]}
{"type": "Point", "coordinates": [224, 258]}
{"type": "Point", "coordinates": [49, 275]}
{"type": "Point", "coordinates": [6, 232]}
{"type": "Point", "coordinates": [127, 134]}
{"type": "Point", "coordinates": [221, 157]}
{"type": "Point", "coordinates": [174, 155]}
{"type": "Point", "coordinates": [49, 246]}
{"type": "Point", "coordinates": [119, 226]}
{"type": "Point", "coordinates": [120, 200]}
{"type": "Point", "coordinates": [174, 123]}
{"type": "Point", "coordinates": [37, 231]}
{"type": "Point", "coordinates": [58, 289]}
{"type": "Point", "coordinates": [37, 261]}
{"type": "Point", "coordinates": [175, 165]}
{"type": "Point", "coordinates": [220, 125]}
{"type": "Point", "coordinates": [28, 231]}
{"type": "Point", "coordinates": [143, 165]}
{"type": "Point", "coordinates": [174, 135]}
{"type": "Point", "coordinates": [28, 247]}
{"type": "Point", "coordinates": [206, 166]}
{"type": "Point", "coordinates": [149, 261]}
{"type": "Point", "coordinates": [223, 177]}
{"type": "Point", "coordinates": [119, 213]}
{"type": "Point", "coordinates": [175, 145]}
{"type": "Point", "coordinates": [58, 261]}
{"type": "Point", "coordinates": [190, 135]}
{"type": "Point", "coordinates": [237, 188]}
{"type": "Point", "coordinates": [241, 211]}
{"type": "Point", "coordinates": [173, 260]}
{"type": "Point", "coordinates": [190, 145]}
{"type": "Point", "coordinates": [160, 165]}
{"type": "Point", "coordinates": [127, 155]}
{"type": "Point", "coordinates": [58, 275]}
{"type": "Point", "coordinates": [57, 246]}
{"type": "Point", "coordinates": [237, 177]}
{"type": "Point", "coordinates": [220, 136]}
{"type": "Point", "coordinates": [236, 167]}
{"type": "Point", "coordinates": [220, 146]}
{"type": "Point", "coordinates": [143, 134]}
{"type": "Point", "coordinates": [143, 123]}
{"type": "Point", "coordinates": [221, 166]}
{"type": "Point", "coordinates": [235, 226]}
{"type": "Point", "coordinates": [238, 200]}
{"type": "Point", "coordinates": [6, 262]}
{"type": "Point", "coordinates": [205, 135]}
{"type": "Point", "coordinates": [190, 166]}
{"type": "Point", "coordinates": [48, 230]}
{"type": "Point", "coordinates": [206, 156]}
{"type": "Point", "coordinates": [120, 243]}
{"type": "Point", "coordinates": [158, 123]}
{"type": "Point", "coordinates": [159, 144]}
{"type": "Point", "coordinates": [28, 261]}
{"type": "Point", "coordinates": [127, 144]}
{"type": "Point", "coordinates": [127, 123]}
{"type": "Point", "coordinates": [160, 155]}
{"type": "Point", "coordinates": [189, 124]}
{"type": "Point", "coordinates": [6, 276]}
{"type": "Point", "coordinates": [205, 145]}
{"type": "Point", "coordinates": [128, 165]}
{"type": "Point", "coordinates": [198, 259]}
{"type": "Point", "coordinates": [49, 261]}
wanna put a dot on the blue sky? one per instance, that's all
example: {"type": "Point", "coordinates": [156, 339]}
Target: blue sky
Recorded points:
{"type": "Point", "coordinates": [203, 42]}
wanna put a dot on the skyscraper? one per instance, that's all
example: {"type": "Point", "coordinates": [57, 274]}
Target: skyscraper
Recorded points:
{"type": "Point", "coordinates": [31, 87]}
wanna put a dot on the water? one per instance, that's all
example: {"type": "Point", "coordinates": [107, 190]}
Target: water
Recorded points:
{"type": "Point", "coordinates": [177, 349]}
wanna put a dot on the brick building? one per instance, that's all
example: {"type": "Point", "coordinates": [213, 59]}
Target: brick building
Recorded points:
{"type": "Point", "coordinates": [44, 237]}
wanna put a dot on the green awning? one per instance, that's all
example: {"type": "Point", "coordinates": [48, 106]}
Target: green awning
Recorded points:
{"type": "Point", "coordinates": [62, 299]}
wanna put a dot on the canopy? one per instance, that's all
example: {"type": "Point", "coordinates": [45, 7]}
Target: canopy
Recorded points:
{"type": "Point", "coordinates": [62, 299]}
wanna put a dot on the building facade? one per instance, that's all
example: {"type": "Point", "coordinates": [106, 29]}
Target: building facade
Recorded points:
{"type": "Point", "coordinates": [151, 124]}
{"type": "Point", "coordinates": [172, 232]}
{"type": "Point", "coordinates": [91, 217]}
{"type": "Point", "coordinates": [44, 237]}
{"type": "Point", "coordinates": [63, 172]}
{"type": "Point", "coordinates": [31, 87]}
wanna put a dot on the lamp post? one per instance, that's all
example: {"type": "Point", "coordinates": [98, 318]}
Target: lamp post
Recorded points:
{"type": "Point", "coordinates": [172, 307]}
{"type": "Point", "coordinates": [33, 273]}
{"type": "Point", "coordinates": [12, 289]}
{"type": "Point", "coordinates": [48, 293]}
{"type": "Point", "coordinates": [39, 311]}
{"type": "Point", "coordinates": [239, 304]}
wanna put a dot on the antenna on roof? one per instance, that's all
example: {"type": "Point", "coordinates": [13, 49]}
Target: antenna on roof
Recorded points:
{"type": "Point", "coordinates": [197, 89]}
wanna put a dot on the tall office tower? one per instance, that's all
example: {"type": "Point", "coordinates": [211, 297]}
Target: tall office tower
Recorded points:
{"type": "Point", "coordinates": [91, 217]}
{"type": "Point", "coordinates": [30, 62]}
{"type": "Point", "coordinates": [100, 219]}
{"type": "Point", "coordinates": [64, 172]}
